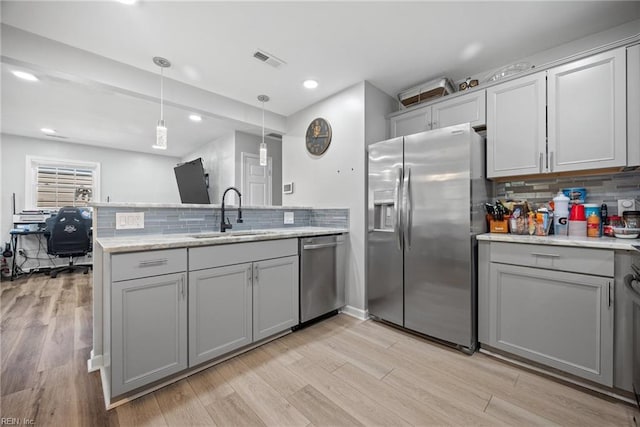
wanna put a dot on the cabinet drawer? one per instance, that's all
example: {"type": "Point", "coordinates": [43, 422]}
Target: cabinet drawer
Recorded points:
{"type": "Point", "coordinates": [598, 262]}
{"type": "Point", "coordinates": [237, 253]}
{"type": "Point", "coordinates": [149, 263]}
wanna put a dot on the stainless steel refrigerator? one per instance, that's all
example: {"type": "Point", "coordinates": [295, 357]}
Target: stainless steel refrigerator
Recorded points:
{"type": "Point", "coordinates": [426, 195]}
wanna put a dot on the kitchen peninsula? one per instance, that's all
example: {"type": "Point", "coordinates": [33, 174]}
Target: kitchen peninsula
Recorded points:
{"type": "Point", "coordinates": [153, 321]}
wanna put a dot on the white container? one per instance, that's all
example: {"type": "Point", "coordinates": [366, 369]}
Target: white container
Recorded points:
{"type": "Point", "coordinates": [578, 228]}
{"type": "Point", "coordinates": [561, 214]}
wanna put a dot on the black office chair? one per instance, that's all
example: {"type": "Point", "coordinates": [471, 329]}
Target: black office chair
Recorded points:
{"type": "Point", "coordinates": [68, 235]}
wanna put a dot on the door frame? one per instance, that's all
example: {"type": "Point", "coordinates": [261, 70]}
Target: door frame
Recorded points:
{"type": "Point", "coordinates": [243, 158]}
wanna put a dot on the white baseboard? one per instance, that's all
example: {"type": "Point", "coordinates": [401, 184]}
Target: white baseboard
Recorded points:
{"type": "Point", "coordinates": [355, 312]}
{"type": "Point", "coordinates": [95, 363]}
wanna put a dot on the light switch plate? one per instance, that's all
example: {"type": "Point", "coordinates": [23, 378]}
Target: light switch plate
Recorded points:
{"type": "Point", "coordinates": [288, 217]}
{"type": "Point", "coordinates": [129, 220]}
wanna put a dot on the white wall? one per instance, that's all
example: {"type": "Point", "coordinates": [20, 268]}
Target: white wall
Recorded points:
{"type": "Point", "coordinates": [248, 143]}
{"type": "Point", "coordinates": [125, 176]}
{"type": "Point", "coordinates": [338, 177]}
{"type": "Point", "coordinates": [218, 159]}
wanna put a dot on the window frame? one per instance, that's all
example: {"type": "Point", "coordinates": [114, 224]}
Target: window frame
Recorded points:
{"type": "Point", "coordinates": [31, 170]}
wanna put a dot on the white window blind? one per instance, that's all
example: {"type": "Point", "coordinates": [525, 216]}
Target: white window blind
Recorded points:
{"type": "Point", "coordinates": [58, 186]}
{"type": "Point", "coordinates": [53, 184]}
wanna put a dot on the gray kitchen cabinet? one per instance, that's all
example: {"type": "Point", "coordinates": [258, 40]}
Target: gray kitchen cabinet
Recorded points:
{"type": "Point", "coordinates": [516, 127]}
{"type": "Point", "coordinates": [239, 294]}
{"type": "Point", "coordinates": [533, 304]}
{"type": "Point", "coordinates": [467, 108]}
{"type": "Point", "coordinates": [633, 105]}
{"type": "Point", "coordinates": [587, 113]}
{"type": "Point", "coordinates": [148, 330]}
{"type": "Point", "coordinates": [569, 118]}
{"type": "Point", "coordinates": [275, 296]}
{"type": "Point", "coordinates": [220, 311]}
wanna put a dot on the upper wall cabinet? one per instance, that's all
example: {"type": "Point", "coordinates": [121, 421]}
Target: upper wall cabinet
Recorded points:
{"type": "Point", "coordinates": [587, 113]}
{"type": "Point", "coordinates": [516, 127]}
{"type": "Point", "coordinates": [469, 108]}
{"type": "Point", "coordinates": [583, 126]}
{"type": "Point", "coordinates": [633, 105]}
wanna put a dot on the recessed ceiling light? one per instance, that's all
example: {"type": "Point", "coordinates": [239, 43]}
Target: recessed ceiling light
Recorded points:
{"type": "Point", "coordinates": [310, 84]}
{"type": "Point", "coordinates": [195, 118]}
{"type": "Point", "coordinates": [25, 76]}
{"type": "Point", "coordinates": [48, 131]}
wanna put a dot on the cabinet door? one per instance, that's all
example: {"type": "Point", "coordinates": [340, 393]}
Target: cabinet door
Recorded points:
{"type": "Point", "coordinates": [411, 122]}
{"type": "Point", "coordinates": [275, 296]}
{"type": "Point", "coordinates": [516, 127]}
{"type": "Point", "coordinates": [587, 113]}
{"type": "Point", "coordinates": [219, 311]}
{"type": "Point", "coordinates": [469, 108]}
{"type": "Point", "coordinates": [563, 320]}
{"type": "Point", "coordinates": [148, 330]}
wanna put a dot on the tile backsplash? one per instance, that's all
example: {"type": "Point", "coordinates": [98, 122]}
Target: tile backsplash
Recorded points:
{"type": "Point", "coordinates": [197, 220]}
{"type": "Point", "coordinates": [600, 188]}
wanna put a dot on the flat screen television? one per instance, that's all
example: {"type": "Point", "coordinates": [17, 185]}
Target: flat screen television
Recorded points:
{"type": "Point", "coordinates": [192, 182]}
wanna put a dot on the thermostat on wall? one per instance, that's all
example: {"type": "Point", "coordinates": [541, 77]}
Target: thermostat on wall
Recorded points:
{"type": "Point", "coordinates": [287, 188]}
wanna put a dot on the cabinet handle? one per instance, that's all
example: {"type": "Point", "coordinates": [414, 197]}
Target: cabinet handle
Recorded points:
{"type": "Point", "coordinates": [153, 262]}
{"type": "Point", "coordinates": [609, 292]}
{"type": "Point", "coordinates": [545, 255]}
{"type": "Point", "coordinates": [540, 162]}
{"type": "Point", "coordinates": [182, 286]}
{"type": "Point", "coordinates": [255, 273]}
{"type": "Point", "coordinates": [551, 161]}
{"type": "Point", "coordinates": [249, 274]}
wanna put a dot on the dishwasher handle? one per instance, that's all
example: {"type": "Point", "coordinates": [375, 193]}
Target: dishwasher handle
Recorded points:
{"type": "Point", "coordinates": [322, 245]}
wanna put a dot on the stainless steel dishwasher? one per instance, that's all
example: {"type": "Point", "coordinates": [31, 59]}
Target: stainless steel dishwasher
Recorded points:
{"type": "Point", "coordinates": [322, 276]}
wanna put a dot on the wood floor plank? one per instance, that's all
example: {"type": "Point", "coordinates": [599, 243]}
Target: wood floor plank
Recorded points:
{"type": "Point", "coordinates": [87, 387]}
{"type": "Point", "coordinates": [312, 348]}
{"type": "Point", "coordinates": [272, 372]}
{"type": "Point", "coordinates": [141, 412]}
{"type": "Point", "coordinates": [319, 409]}
{"type": "Point", "coordinates": [267, 403]}
{"type": "Point", "coordinates": [360, 406]}
{"type": "Point", "coordinates": [403, 405]}
{"type": "Point", "coordinates": [232, 410]}
{"type": "Point", "coordinates": [82, 337]}
{"type": "Point", "coordinates": [181, 407]}
{"type": "Point", "coordinates": [210, 386]}
{"type": "Point", "coordinates": [283, 353]}
{"type": "Point", "coordinates": [514, 415]}
{"type": "Point", "coordinates": [58, 404]}
{"type": "Point", "coordinates": [19, 405]}
{"type": "Point", "coordinates": [59, 342]}
{"type": "Point", "coordinates": [20, 369]}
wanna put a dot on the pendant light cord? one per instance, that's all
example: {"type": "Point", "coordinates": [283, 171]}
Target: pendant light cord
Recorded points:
{"type": "Point", "coordinates": [161, 93]}
{"type": "Point", "coordinates": [263, 122]}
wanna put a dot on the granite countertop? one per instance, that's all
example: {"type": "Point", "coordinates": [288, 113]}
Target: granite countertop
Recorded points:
{"type": "Point", "coordinates": [194, 206]}
{"type": "Point", "coordinates": [583, 242]}
{"type": "Point", "coordinates": [167, 241]}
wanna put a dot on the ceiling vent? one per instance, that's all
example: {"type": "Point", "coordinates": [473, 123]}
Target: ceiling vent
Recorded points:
{"type": "Point", "coordinates": [267, 58]}
{"type": "Point", "coordinates": [274, 135]}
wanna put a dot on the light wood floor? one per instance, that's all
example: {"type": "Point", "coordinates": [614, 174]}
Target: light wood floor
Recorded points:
{"type": "Point", "coordinates": [340, 372]}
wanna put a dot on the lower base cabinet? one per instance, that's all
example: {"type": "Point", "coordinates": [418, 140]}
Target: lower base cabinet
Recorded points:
{"type": "Point", "coordinates": [148, 330]}
{"type": "Point", "coordinates": [560, 319]}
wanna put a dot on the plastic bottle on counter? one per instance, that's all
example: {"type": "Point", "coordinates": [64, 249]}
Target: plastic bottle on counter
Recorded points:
{"type": "Point", "coordinates": [593, 225]}
{"type": "Point", "coordinates": [560, 214]}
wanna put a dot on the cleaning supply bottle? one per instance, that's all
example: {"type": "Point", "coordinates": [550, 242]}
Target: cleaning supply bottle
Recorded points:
{"type": "Point", "coordinates": [560, 214]}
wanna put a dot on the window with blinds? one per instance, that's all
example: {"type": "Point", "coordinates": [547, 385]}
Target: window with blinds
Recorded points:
{"type": "Point", "coordinates": [54, 183]}
{"type": "Point", "coordinates": [63, 186]}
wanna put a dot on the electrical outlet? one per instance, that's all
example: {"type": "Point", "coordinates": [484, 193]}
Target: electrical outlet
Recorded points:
{"type": "Point", "coordinates": [288, 217]}
{"type": "Point", "coordinates": [129, 220]}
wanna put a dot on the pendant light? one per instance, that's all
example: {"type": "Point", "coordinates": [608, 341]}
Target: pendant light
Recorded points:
{"type": "Point", "coordinates": [263, 145]}
{"type": "Point", "coordinates": [161, 129]}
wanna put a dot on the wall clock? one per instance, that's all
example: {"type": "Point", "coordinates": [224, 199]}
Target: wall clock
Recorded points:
{"type": "Point", "coordinates": [318, 136]}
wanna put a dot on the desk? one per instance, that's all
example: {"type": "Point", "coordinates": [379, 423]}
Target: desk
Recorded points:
{"type": "Point", "coordinates": [15, 235]}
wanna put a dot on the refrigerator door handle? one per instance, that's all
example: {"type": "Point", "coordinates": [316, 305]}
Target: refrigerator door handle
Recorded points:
{"type": "Point", "coordinates": [397, 210]}
{"type": "Point", "coordinates": [408, 207]}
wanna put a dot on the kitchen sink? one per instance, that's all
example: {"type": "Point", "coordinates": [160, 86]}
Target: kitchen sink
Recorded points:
{"type": "Point", "coordinates": [219, 234]}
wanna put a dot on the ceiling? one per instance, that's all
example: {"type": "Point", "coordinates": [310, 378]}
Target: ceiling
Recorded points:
{"type": "Point", "coordinates": [394, 45]}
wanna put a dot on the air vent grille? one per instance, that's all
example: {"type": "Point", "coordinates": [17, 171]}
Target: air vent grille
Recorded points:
{"type": "Point", "coordinates": [274, 135]}
{"type": "Point", "coordinates": [268, 58]}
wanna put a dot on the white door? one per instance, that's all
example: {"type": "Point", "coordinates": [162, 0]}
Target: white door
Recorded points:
{"type": "Point", "coordinates": [256, 180]}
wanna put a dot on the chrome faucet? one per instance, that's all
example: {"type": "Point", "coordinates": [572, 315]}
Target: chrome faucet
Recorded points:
{"type": "Point", "coordinates": [227, 225]}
